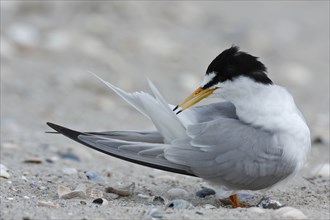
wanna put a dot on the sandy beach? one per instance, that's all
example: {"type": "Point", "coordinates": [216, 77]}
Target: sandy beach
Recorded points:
{"type": "Point", "coordinates": [47, 51]}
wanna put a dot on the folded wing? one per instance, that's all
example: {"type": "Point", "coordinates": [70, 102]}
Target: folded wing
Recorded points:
{"type": "Point", "coordinates": [228, 152]}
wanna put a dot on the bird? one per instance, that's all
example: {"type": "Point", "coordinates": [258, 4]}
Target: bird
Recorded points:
{"type": "Point", "coordinates": [253, 138]}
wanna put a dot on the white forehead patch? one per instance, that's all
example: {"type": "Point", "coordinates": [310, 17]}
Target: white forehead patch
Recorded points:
{"type": "Point", "coordinates": [207, 78]}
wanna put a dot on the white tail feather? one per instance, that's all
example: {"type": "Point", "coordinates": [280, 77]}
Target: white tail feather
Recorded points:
{"type": "Point", "coordinates": [155, 108]}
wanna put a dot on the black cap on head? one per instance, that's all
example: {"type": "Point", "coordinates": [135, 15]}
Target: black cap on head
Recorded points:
{"type": "Point", "coordinates": [232, 63]}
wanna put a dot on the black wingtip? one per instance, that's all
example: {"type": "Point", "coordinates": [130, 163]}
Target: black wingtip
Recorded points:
{"type": "Point", "coordinates": [74, 135]}
{"type": "Point", "coordinates": [176, 107]}
{"type": "Point", "coordinates": [65, 131]}
{"type": "Point", "coordinates": [179, 112]}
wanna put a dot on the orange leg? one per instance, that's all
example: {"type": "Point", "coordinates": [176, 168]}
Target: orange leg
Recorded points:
{"type": "Point", "coordinates": [234, 200]}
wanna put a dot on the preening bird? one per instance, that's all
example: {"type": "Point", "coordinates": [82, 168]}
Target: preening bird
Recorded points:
{"type": "Point", "coordinates": [252, 141]}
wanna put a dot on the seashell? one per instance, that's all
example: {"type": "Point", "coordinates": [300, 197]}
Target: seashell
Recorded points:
{"type": "Point", "coordinates": [42, 187]}
{"type": "Point", "coordinates": [289, 213]}
{"type": "Point", "coordinates": [209, 206]}
{"type": "Point", "coordinates": [155, 213]}
{"type": "Point", "coordinates": [124, 191]}
{"type": "Point", "coordinates": [4, 172]}
{"type": "Point", "coordinates": [65, 193]}
{"type": "Point", "coordinates": [158, 200]}
{"type": "Point", "coordinates": [101, 201]}
{"type": "Point", "coordinates": [69, 170]}
{"type": "Point", "coordinates": [205, 192]}
{"type": "Point", "coordinates": [93, 175]}
{"type": "Point", "coordinates": [268, 203]}
{"type": "Point", "coordinates": [94, 193]}
{"type": "Point", "coordinates": [176, 193]}
{"type": "Point", "coordinates": [179, 204]}
{"type": "Point", "coordinates": [52, 159]}
{"type": "Point", "coordinates": [80, 187]}
{"type": "Point", "coordinates": [47, 204]}
{"type": "Point", "coordinates": [112, 196]}
{"type": "Point", "coordinates": [62, 190]}
{"type": "Point", "coordinates": [73, 194]}
{"type": "Point", "coordinates": [69, 155]}
{"type": "Point", "coordinates": [143, 196]}
{"type": "Point", "coordinates": [35, 160]}
{"type": "Point", "coordinates": [82, 202]}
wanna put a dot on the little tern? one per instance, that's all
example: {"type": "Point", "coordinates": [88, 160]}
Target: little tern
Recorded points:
{"type": "Point", "coordinates": [253, 140]}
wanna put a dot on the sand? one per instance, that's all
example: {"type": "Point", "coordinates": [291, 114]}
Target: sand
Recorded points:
{"type": "Point", "coordinates": [47, 49]}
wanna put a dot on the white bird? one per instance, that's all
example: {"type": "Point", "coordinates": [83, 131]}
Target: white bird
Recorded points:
{"type": "Point", "coordinates": [252, 141]}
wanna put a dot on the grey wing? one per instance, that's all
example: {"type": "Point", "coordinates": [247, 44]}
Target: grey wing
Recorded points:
{"type": "Point", "coordinates": [228, 152]}
{"type": "Point", "coordinates": [210, 112]}
{"type": "Point", "coordinates": [140, 149]}
{"type": "Point", "coordinates": [137, 136]}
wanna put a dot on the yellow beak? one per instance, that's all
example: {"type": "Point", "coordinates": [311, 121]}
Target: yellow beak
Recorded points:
{"type": "Point", "coordinates": [194, 98]}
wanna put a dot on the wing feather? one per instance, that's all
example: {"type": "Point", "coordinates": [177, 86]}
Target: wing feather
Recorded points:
{"type": "Point", "coordinates": [229, 152]}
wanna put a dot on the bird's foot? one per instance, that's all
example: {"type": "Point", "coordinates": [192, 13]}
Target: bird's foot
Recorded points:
{"type": "Point", "coordinates": [234, 202]}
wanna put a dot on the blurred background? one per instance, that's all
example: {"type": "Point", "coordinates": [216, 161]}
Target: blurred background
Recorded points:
{"type": "Point", "coordinates": [48, 47]}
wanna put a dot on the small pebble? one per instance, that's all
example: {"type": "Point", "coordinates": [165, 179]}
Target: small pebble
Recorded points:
{"type": "Point", "coordinates": [83, 202]}
{"type": "Point", "coordinates": [205, 192]}
{"type": "Point", "coordinates": [209, 206]}
{"type": "Point", "coordinates": [4, 172]}
{"type": "Point", "coordinates": [112, 196]}
{"type": "Point", "coordinates": [47, 204]}
{"type": "Point", "coordinates": [35, 160]}
{"type": "Point", "coordinates": [318, 140]}
{"type": "Point", "coordinates": [42, 187]}
{"type": "Point", "coordinates": [157, 200]}
{"type": "Point", "coordinates": [323, 170]}
{"type": "Point", "coordinates": [94, 176]}
{"type": "Point", "coordinates": [69, 155]}
{"type": "Point", "coordinates": [155, 213]}
{"type": "Point", "coordinates": [123, 191]}
{"type": "Point", "coordinates": [26, 197]}
{"type": "Point", "coordinates": [52, 159]}
{"type": "Point", "coordinates": [289, 213]}
{"type": "Point", "coordinates": [143, 196]}
{"type": "Point", "coordinates": [176, 193]}
{"type": "Point", "coordinates": [101, 201]}
{"type": "Point", "coordinates": [179, 204]}
{"type": "Point", "coordinates": [69, 170]}
{"type": "Point", "coordinates": [268, 203]}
